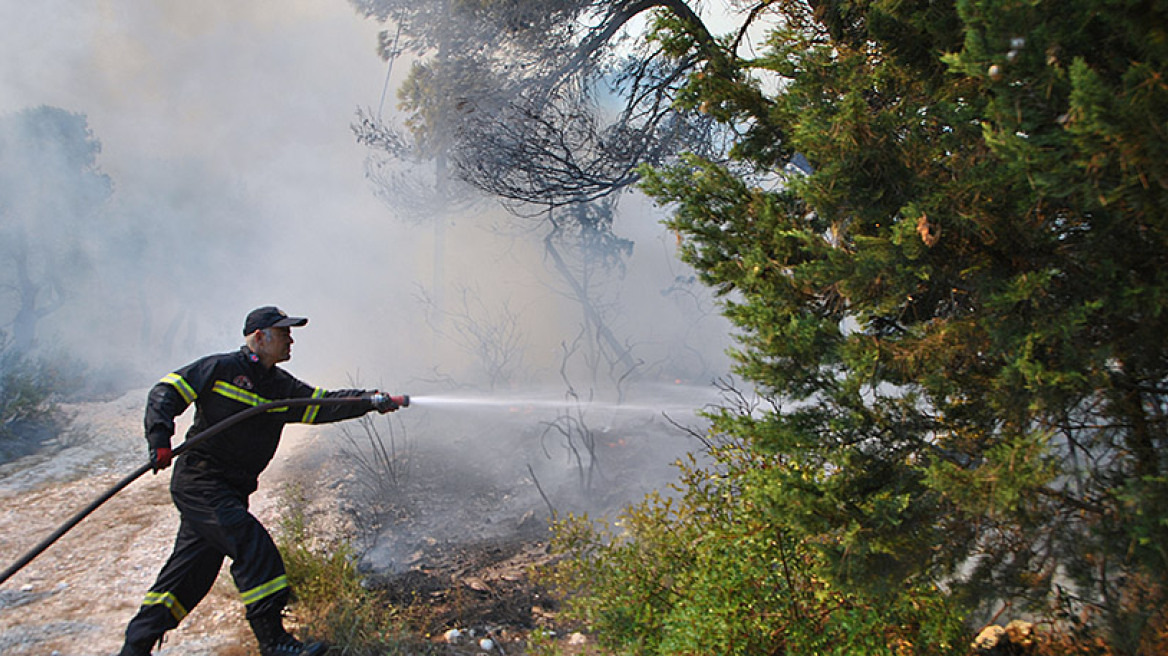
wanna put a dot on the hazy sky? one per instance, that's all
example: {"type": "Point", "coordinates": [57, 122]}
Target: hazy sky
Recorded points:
{"type": "Point", "coordinates": [259, 93]}
{"type": "Point", "coordinates": [236, 115]}
{"type": "Point", "coordinates": [263, 88]}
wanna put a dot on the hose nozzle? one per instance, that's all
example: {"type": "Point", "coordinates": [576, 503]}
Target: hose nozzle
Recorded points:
{"type": "Point", "coordinates": [389, 402]}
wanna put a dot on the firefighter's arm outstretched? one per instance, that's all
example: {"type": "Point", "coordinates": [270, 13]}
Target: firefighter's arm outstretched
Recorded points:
{"type": "Point", "coordinates": [313, 414]}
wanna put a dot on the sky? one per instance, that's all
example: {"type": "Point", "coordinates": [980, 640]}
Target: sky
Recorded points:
{"type": "Point", "coordinates": [226, 126]}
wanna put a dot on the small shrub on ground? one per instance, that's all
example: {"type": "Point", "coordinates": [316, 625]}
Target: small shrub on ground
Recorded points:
{"type": "Point", "coordinates": [328, 596]}
{"type": "Point", "coordinates": [29, 390]}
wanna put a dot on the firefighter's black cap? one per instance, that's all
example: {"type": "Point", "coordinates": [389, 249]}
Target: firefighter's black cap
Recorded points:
{"type": "Point", "coordinates": [270, 316]}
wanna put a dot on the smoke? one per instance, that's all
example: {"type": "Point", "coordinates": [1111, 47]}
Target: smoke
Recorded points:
{"type": "Point", "coordinates": [224, 128]}
{"type": "Point", "coordinates": [237, 182]}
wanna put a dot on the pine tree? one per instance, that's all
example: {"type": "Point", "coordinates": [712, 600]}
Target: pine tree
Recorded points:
{"type": "Point", "coordinates": [959, 313]}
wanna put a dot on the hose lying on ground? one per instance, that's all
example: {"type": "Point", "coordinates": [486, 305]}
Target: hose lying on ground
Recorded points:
{"type": "Point", "coordinates": [179, 450]}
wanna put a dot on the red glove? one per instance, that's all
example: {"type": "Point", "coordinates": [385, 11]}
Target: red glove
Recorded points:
{"type": "Point", "coordinates": [160, 458]}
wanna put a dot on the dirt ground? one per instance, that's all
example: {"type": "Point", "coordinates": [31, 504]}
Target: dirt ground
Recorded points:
{"type": "Point", "coordinates": [76, 597]}
{"type": "Point", "coordinates": [460, 527]}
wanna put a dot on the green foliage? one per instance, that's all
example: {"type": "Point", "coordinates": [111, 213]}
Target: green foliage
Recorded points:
{"type": "Point", "coordinates": [716, 570]}
{"type": "Point", "coordinates": [30, 388]}
{"type": "Point", "coordinates": [960, 315]}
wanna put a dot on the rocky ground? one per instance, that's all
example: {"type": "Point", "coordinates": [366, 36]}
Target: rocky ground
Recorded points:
{"type": "Point", "coordinates": [451, 517]}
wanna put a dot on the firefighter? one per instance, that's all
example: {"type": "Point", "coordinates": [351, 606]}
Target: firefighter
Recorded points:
{"type": "Point", "coordinates": [211, 483]}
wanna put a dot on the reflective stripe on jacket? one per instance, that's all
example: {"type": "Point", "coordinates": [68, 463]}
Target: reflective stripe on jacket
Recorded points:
{"type": "Point", "coordinates": [220, 386]}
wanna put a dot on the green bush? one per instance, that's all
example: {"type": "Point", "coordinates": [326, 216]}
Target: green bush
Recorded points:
{"type": "Point", "coordinates": [29, 390]}
{"type": "Point", "coordinates": [714, 570]}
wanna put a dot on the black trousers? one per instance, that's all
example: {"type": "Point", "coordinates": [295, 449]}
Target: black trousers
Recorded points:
{"type": "Point", "coordinates": [215, 523]}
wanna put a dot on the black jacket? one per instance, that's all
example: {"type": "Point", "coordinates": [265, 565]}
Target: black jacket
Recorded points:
{"type": "Point", "coordinates": [220, 386]}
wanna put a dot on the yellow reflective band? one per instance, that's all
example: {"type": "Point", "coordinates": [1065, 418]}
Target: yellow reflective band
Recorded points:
{"type": "Point", "coordinates": [310, 411]}
{"type": "Point", "coordinates": [237, 393]}
{"type": "Point", "coordinates": [243, 396]}
{"type": "Point", "coordinates": [184, 390]}
{"type": "Point", "coordinates": [166, 599]}
{"type": "Point", "coordinates": [266, 590]}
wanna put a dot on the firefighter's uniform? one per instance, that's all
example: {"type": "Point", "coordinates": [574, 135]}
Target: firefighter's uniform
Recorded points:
{"type": "Point", "coordinates": [211, 483]}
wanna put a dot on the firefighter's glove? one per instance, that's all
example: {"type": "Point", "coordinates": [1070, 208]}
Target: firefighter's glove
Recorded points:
{"type": "Point", "coordinates": [383, 403]}
{"type": "Point", "coordinates": [160, 458]}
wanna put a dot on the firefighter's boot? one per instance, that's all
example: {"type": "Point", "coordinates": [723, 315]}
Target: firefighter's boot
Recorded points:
{"type": "Point", "coordinates": [275, 641]}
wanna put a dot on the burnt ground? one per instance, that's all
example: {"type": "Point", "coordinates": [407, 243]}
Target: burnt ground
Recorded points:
{"type": "Point", "coordinates": [461, 532]}
{"type": "Point", "coordinates": [449, 521]}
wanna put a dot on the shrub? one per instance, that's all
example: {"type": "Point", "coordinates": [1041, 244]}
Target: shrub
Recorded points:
{"type": "Point", "coordinates": [715, 571]}
{"type": "Point", "coordinates": [29, 390]}
{"type": "Point", "coordinates": [328, 595]}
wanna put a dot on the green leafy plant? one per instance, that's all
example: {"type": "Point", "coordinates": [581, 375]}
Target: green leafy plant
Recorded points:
{"type": "Point", "coordinates": [30, 388]}
{"type": "Point", "coordinates": [711, 571]}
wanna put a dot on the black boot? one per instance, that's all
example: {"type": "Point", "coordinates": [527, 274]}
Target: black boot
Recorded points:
{"type": "Point", "coordinates": [275, 641]}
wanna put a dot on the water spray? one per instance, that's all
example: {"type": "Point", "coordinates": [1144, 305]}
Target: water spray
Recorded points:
{"type": "Point", "coordinates": [525, 403]}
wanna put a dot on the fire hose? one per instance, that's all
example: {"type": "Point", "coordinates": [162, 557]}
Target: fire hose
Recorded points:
{"type": "Point", "coordinates": [402, 401]}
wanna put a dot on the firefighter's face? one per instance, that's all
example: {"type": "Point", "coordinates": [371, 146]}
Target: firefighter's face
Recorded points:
{"type": "Point", "coordinates": [275, 345]}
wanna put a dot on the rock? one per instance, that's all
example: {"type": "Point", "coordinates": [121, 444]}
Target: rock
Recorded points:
{"type": "Point", "coordinates": [452, 636]}
{"type": "Point", "coordinates": [1015, 639]}
{"type": "Point", "coordinates": [486, 644]}
{"type": "Point", "coordinates": [1021, 634]}
{"type": "Point", "coordinates": [988, 638]}
{"type": "Point", "coordinates": [526, 521]}
{"type": "Point", "coordinates": [477, 584]}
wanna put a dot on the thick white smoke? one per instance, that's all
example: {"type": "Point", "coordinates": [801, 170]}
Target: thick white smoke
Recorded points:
{"type": "Point", "coordinates": [237, 182]}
